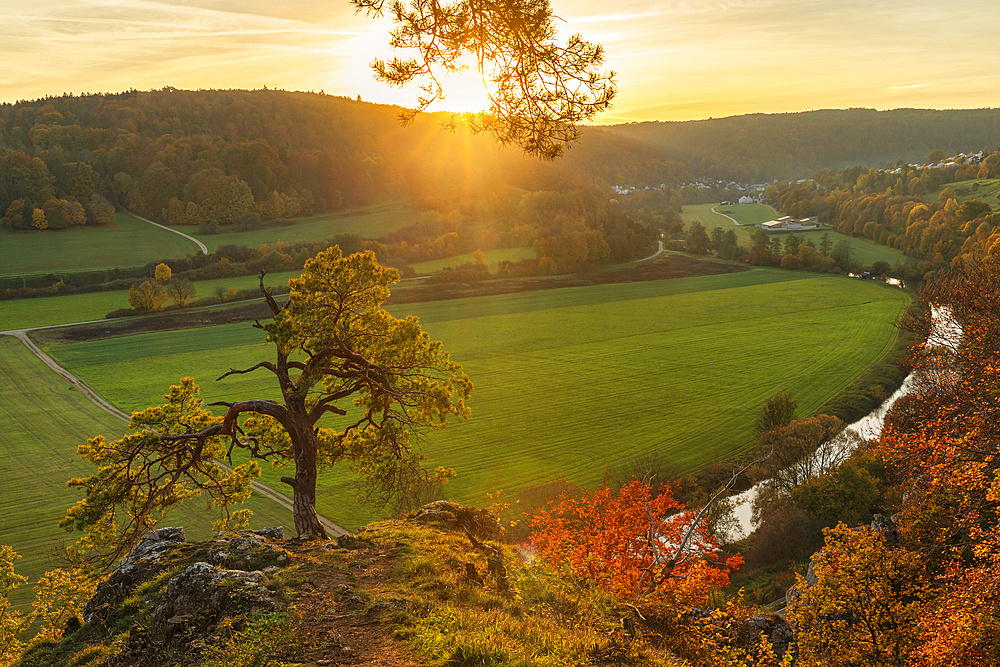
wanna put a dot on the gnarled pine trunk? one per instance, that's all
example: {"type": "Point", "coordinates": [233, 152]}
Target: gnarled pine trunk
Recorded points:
{"type": "Point", "coordinates": [305, 448]}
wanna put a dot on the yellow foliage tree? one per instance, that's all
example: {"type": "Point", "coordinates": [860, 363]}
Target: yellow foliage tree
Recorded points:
{"type": "Point", "coordinates": [163, 273]}
{"type": "Point", "coordinates": [12, 622]}
{"type": "Point", "coordinates": [59, 596]}
{"type": "Point", "coordinates": [863, 608]}
{"type": "Point", "coordinates": [147, 296]}
{"type": "Point", "coordinates": [38, 220]}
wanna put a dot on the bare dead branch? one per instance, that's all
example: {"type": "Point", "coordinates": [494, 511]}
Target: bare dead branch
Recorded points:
{"type": "Point", "coordinates": [264, 364]}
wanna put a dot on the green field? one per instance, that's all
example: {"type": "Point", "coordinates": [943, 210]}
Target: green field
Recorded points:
{"type": "Point", "coordinates": [493, 259]}
{"type": "Point", "coordinates": [132, 242]}
{"type": "Point", "coordinates": [746, 214]}
{"type": "Point", "coordinates": [369, 222]}
{"type": "Point", "coordinates": [571, 382]}
{"type": "Point", "coordinates": [128, 242]}
{"type": "Point", "coordinates": [865, 251]}
{"type": "Point", "coordinates": [44, 419]}
{"type": "Point", "coordinates": [53, 310]}
{"type": "Point", "coordinates": [983, 189]}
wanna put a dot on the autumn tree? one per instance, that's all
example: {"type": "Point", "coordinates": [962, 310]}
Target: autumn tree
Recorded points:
{"type": "Point", "coordinates": [863, 607]}
{"type": "Point", "coordinates": [59, 596]}
{"type": "Point", "coordinates": [38, 220]}
{"type": "Point", "coordinates": [972, 209]}
{"type": "Point", "coordinates": [162, 273]}
{"type": "Point", "coordinates": [147, 296]}
{"type": "Point", "coordinates": [635, 541]}
{"type": "Point", "coordinates": [99, 210]}
{"type": "Point", "coordinates": [479, 258]}
{"type": "Point", "coordinates": [943, 442]}
{"type": "Point", "coordinates": [12, 622]}
{"type": "Point", "coordinates": [334, 343]}
{"type": "Point", "coordinates": [539, 90]}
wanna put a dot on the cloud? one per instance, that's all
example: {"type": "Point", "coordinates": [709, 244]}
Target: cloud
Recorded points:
{"type": "Point", "coordinates": [909, 86]}
{"type": "Point", "coordinates": [673, 57]}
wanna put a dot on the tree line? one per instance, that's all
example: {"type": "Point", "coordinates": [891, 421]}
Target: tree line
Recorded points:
{"type": "Point", "coordinates": [888, 206]}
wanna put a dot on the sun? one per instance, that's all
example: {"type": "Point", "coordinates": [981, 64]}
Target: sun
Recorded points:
{"type": "Point", "coordinates": [465, 92]}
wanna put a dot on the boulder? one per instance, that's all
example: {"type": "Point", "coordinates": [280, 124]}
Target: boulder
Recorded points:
{"type": "Point", "coordinates": [451, 516]}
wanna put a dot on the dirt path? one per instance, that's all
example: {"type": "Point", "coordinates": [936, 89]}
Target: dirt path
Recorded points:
{"type": "Point", "coordinates": [734, 219]}
{"type": "Point", "coordinates": [725, 216]}
{"type": "Point", "coordinates": [653, 255]}
{"type": "Point", "coordinates": [201, 245]}
{"type": "Point", "coordinates": [22, 334]}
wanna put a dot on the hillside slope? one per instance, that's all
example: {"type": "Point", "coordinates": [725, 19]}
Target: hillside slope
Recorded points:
{"type": "Point", "coordinates": [764, 147]}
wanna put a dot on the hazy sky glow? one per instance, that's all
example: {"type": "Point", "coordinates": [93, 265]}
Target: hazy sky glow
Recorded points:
{"type": "Point", "coordinates": [676, 59]}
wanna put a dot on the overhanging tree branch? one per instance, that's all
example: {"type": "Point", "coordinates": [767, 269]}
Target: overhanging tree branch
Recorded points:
{"type": "Point", "coordinates": [539, 92]}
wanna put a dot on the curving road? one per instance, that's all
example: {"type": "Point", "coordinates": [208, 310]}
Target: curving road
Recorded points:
{"type": "Point", "coordinates": [22, 334]}
{"type": "Point", "coordinates": [725, 216]}
{"type": "Point", "coordinates": [201, 245]}
{"type": "Point", "coordinates": [651, 256]}
{"type": "Point", "coordinates": [734, 219]}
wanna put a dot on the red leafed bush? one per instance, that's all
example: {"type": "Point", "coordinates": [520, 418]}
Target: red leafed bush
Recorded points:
{"type": "Point", "coordinates": [628, 542]}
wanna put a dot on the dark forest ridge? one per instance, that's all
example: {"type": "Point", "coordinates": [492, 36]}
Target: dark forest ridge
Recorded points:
{"type": "Point", "coordinates": [762, 147]}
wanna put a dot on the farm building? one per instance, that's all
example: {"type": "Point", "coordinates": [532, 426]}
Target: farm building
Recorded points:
{"type": "Point", "coordinates": [783, 222]}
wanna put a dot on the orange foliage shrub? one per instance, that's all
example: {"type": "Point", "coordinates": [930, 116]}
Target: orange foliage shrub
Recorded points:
{"type": "Point", "coordinates": [618, 540]}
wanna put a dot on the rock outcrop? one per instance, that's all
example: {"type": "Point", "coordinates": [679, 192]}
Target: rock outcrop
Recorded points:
{"type": "Point", "coordinates": [224, 577]}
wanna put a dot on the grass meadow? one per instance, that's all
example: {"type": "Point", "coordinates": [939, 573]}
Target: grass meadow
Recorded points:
{"type": "Point", "coordinates": [44, 419]}
{"type": "Point", "coordinates": [127, 242]}
{"type": "Point", "coordinates": [865, 251]}
{"type": "Point", "coordinates": [493, 259]}
{"type": "Point", "coordinates": [132, 242]}
{"type": "Point", "coordinates": [369, 222]}
{"type": "Point", "coordinates": [983, 189]}
{"type": "Point", "coordinates": [571, 382]}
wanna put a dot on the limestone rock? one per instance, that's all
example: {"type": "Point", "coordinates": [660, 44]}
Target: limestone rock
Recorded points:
{"type": "Point", "coordinates": [248, 552]}
{"type": "Point", "coordinates": [133, 569]}
{"type": "Point", "coordinates": [452, 516]}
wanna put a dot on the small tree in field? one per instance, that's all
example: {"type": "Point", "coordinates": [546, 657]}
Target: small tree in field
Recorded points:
{"type": "Point", "coordinates": [778, 411]}
{"type": "Point", "coordinates": [333, 344]}
{"type": "Point", "coordinates": [147, 296]}
{"type": "Point", "coordinates": [181, 291]}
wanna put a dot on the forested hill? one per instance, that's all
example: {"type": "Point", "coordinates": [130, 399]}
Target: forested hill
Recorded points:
{"type": "Point", "coordinates": [197, 157]}
{"type": "Point", "coordinates": [189, 157]}
{"type": "Point", "coordinates": [764, 147]}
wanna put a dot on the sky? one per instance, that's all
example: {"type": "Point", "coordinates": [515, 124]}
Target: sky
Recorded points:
{"type": "Point", "coordinates": [675, 59]}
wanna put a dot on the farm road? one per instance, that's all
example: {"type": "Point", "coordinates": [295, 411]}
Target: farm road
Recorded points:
{"type": "Point", "coordinates": [201, 245]}
{"type": "Point", "coordinates": [22, 334]}
{"type": "Point", "coordinates": [653, 255]}
{"type": "Point", "coordinates": [734, 219]}
{"type": "Point", "coordinates": [725, 216]}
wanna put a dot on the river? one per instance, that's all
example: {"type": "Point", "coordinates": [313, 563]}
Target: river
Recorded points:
{"type": "Point", "coordinates": [945, 332]}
